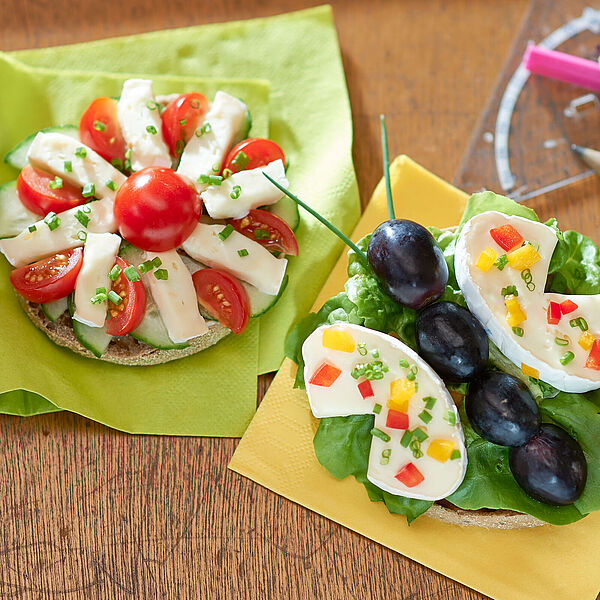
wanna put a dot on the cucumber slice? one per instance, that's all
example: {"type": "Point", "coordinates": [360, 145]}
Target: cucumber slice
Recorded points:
{"type": "Point", "coordinates": [94, 339]}
{"type": "Point", "coordinates": [17, 157]}
{"type": "Point", "coordinates": [287, 210]}
{"type": "Point", "coordinates": [260, 302]}
{"type": "Point", "coordinates": [55, 309]}
{"type": "Point", "coordinates": [14, 217]}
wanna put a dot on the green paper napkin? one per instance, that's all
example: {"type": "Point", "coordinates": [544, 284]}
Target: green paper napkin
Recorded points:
{"type": "Point", "coordinates": [211, 393]}
{"type": "Point", "coordinates": [309, 116]}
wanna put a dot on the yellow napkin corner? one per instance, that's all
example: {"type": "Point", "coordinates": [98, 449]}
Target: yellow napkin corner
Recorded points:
{"type": "Point", "coordinates": [546, 562]}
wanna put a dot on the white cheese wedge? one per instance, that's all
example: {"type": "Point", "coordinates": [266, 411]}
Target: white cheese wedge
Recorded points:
{"type": "Point", "coordinates": [175, 297]}
{"type": "Point", "coordinates": [254, 190]}
{"type": "Point", "coordinates": [99, 252]}
{"type": "Point", "coordinates": [337, 346]}
{"type": "Point", "coordinates": [536, 347]}
{"type": "Point", "coordinates": [258, 267]}
{"type": "Point", "coordinates": [136, 118]}
{"type": "Point", "coordinates": [204, 155]}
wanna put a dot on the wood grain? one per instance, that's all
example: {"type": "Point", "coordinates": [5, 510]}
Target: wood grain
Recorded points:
{"type": "Point", "coordinates": [92, 513]}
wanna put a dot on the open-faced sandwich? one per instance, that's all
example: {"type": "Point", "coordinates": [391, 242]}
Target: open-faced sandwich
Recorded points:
{"type": "Point", "coordinates": [148, 232]}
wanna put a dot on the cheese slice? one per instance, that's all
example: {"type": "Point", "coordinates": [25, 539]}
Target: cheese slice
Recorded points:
{"type": "Point", "coordinates": [136, 118]}
{"type": "Point", "coordinates": [175, 297]}
{"type": "Point", "coordinates": [253, 188]}
{"type": "Point", "coordinates": [99, 253]}
{"type": "Point", "coordinates": [259, 267]}
{"type": "Point", "coordinates": [204, 155]}
{"type": "Point", "coordinates": [426, 406]}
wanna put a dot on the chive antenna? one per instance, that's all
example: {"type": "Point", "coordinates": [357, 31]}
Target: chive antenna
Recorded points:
{"type": "Point", "coordinates": [361, 255]}
{"type": "Point", "coordinates": [386, 169]}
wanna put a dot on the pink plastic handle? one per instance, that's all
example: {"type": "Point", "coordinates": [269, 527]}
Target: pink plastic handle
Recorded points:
{"type": "Point", "coordinates": [564, 67]}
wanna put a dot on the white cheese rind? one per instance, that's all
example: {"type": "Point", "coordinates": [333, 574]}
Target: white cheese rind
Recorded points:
{"type": "Point", "coordinates": [343, 398]}
{"type": "Point", "coordinates": [147, 149]}
{"type": "Point", "coordinates": [176, 298]}
{"type": "Point", "coordinates": [482, 292]}
{"type": "Point", "coordinates": [226, 117]}
{"type": "Point", "coordinates": [256, 190]}
{"type": "Point", "coordinates": [99, 253]}
{"type": "Point", "coordinates": [259, 268]}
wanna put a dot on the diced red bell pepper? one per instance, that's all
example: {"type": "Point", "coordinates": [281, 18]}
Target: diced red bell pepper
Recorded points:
{"type": "Point", "coordinates": [410, 476]}
{"type": "Point", "coordinates": [325, 375]}
{"type": "Point", "coordinates": [568, 306]}
{"type": "Point", "coordinates": [366, 389]}
{"type": "Point", "coordinates": [506, 236]}
{"type": "Point", "coordinates": [593, 360]}
{"type": "Point", "coordinates": [396, 419]}
{"type": "Point", "coordinates": [554, 313]}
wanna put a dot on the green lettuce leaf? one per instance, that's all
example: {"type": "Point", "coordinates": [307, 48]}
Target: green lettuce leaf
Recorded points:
{"type": "Point", "coordinates": [486, 201]}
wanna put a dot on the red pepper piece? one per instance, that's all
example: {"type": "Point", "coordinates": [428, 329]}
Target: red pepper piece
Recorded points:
{"type": "Point", "coordinates": [366, 389]}
{"type": "Point", "coordinates": [506, 236]}
{"type": "Point", "coordinates": [593, 361]}
{"type": "Point", "coordinates": [325, 375]}
{"type": "Point", "coordinates": [410, 476]}
{"type": "Point", "coordinates": [568, 306]}
{"type": "Point", "coordinates": [396, 419]}
{"type": "Point", "coordinates": [554, 313]}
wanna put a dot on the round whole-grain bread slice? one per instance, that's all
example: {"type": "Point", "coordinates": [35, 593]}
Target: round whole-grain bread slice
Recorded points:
{"type": "Point", "coordinates": [485, 518]}
{"type": "Point", "coordinates": [122, 350]}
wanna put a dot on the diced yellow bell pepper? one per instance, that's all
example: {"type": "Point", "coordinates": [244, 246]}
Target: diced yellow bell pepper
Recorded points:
{"type": "Point", "coordinates": [486, 259]}
{"type": "Point", "coordinates": [401, 391]}
{"type": "Point", "coordinates": [440, 450]}
{"type": "Point", "coordinates": [530, 371]}
{"type": "Point", "coordinates": [523, 258]}
{"type": "Point", "coordinates": [337, 339]}
{"type": "Point", "coordinates": [586, 341]}
{"type": "Point", "coordinates": [515, 315]}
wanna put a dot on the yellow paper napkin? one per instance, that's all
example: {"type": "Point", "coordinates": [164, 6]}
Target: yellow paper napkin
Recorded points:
{"type": "Point", "coordinates": [558, 563]}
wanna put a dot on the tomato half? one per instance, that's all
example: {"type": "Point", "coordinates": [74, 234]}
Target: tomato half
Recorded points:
{"type": "Point", "coordinates": [156, 209]}
{"type": "Point", "coordinates": [260, 151]}
{"type": "Point", "coordinates": [128, 314]}
{"type": "Point", "coordinates": [100, 130]}
{"type": "Point", "coordinates": [268, 230]}
{"type": "Point", "coordinates": [223, 297]}
{"type": "Point", "coordinates": [181, 118]}
{"type": "Point", "coordinates": [49, 279]}
{"type": "Point", "coordinates": [34, 191]}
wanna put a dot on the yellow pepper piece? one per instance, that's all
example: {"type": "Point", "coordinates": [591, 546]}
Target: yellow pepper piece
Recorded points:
{"type": "Point", "coordinates": [440, 450]}
{"type": "Point", "coordinates": [338, 340]}
{"type": "Point", "coordinates": [401, 391]}
{"type": "Point", "coordinates": [523, 258]}
{"type": "Point", "coordinates": [515, 315]}
{"type": "Point", "coordinates": [586, 341]}
{"type": "Point", "coordinates": [486, 259]}
{"type": "Point", "coordinates": [530, 371]}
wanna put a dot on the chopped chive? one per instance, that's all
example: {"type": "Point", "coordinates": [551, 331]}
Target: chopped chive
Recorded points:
{"type": "Point", "coordinates": [561, 342]}
{"type": "Point", "coordinates": [195, 103]}
{"type": "Point", "coordinates": [415, 447]}
{"type": "Point", "coordinates": [380, 434]}
{"type": "Point", "coordinates": [225, 232]}
{"type": "Point", "coordinates": [375, 353]}
{"type": "Point", "coordinates": [384, 460]}
{"type": "Point", "coordinates": [68, 166]}
{"type": "Point", "coordinates": [32, 228]}
{"type": "Point", "coordinates": [81, 152]}
{"type": "Point", "coordinates": [261, 234]}
{"type": "Point", "coordinates": [420, 435]}
{"type": "Point", "coordinates": [455, 454]}
{"type": "Point", "coordinates": [146, 266]}
{"type": "Point", "coordinates": [235, 193]}
{"type": "Point", "coordinates": [206, 128]}
{"type": "Point", "coordinates": [199, 132]}
{"type": "Point", "coordinates": [404, 363]}
{"type": "Point", "coordinates": [52, 220]}
{"type": "Point", "coordinates": [429, 402]}
{"type": "Point", "coordinates": [510, 290]}
{"type": "Point", "coordinates": [101, 290]}
{"type": "Point", "coordinates": [86, 209]}
{"type": "Point", "coordinates": [216, 167]}
{"type": "Point", "coordinates": [151, 105]}
{"type": "Point", "coordinates": [583, 324]}
{"type": "Point", "coordinates": [241, 160]}
{"type": "Point", "coordinates": [243, 252]}
{"type": "Point", "coordinates": [99, 126]}
{"type": "Point", "coordinates": [156, 262]}
{"type": "Point", "coordinates": [151, 129]}
{"type": "Point", "coordinates": [99, 298]}
{"type": "Point", "coordinates": [425, 416]}
{"type": "Point", "coordinates": [111, 185]}
{"type": "Point", "coordinates": [117, 163]}
{"type": "Point", "coordinates": [227, 173]}
{"type": "Point", "coordinates": [131, 273]}
{"type": "Point", "coordinates": [377, 408]}
{"type": "Point", "coordinates": [82, 218]}
{"type": "Point", "coordinates": [56, 183]}
{"type": "Point", "coordinates": [387, 453]}
{"type": "Point", "coordinates": [82, 236]}
{"type": "Point", "coordinates": [182, 122]}
{"type": "Point", "coordinates": [566, 358]}
{"type": "Point", "coordinates": [114, 297]}
{"type": "Point", "coordinates": [411, 376]}
{"type": "Point", "coordinates": [114, 273]}
{"type": "Point", "coordinates": [210, 179]}
{"type": "Point", "coordinates": [405, 440]}
{"type": "Point", "coordinates": [518, 331]}
{"type": "Point", "coordinates": [450, 417]}
{"type": "Point", "coordinates": [179, 147]}
{"type": "Point", "coordinates": [161, 274]}
{"type": "Point", "coordinates": [362, 349]}
{"type": "Point", "coordinates": [89, 189]}
{"type": "Point", "coordinates": [501, 262]}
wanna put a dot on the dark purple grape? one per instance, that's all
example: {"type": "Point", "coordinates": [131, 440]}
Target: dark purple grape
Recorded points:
{"type": "Point", "coordinates": [408, 262]}
{"type": "Point", "coordinates": [452, 341]}
{"type": "Point", "coordinates": [550, 467]}
{"type": "Point", "coordinates": [501, 409]}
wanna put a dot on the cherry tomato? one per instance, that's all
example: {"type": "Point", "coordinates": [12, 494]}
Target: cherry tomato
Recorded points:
{"type": "Point", "coordinates": [223, 297]}
{"type": "Point", "coordinates": [260, 151]}
{"type": "Point", "coordinates": [100, 130]}
{"type": "Point", "coordinates": [33, 188]}
{"type": "Point", "coordinates": [181, 118]}
{"type": "Point", "coordinates": [128, 314]}
{"type": "Point", "coordinates": [156, 210]}
{"type": "Point", "coordinates": [268, 230]}
{"type": "Point", "coordinates": [49, 279]}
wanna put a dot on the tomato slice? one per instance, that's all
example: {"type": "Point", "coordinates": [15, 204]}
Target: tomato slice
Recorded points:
{"type": "Point", "coordinates": [39, 192]}
{"type": "Point", "coordinates": [223, 297]}
{"type": "Point", "coordinates": [268, 230]}
{"type": "Point", "coordinates": [181, 118]}
{"type": "Point", "coordinates": [128, 314]}
{"type": "Point", "coordinates": [48, 279]}
{"type": "Point", "coordinates": [100, 130]}
{"type": "Point", "coordinates": [259, 151]}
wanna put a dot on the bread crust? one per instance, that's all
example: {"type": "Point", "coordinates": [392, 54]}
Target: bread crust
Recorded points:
{"type": "Point", "coordinates": [123, 350]}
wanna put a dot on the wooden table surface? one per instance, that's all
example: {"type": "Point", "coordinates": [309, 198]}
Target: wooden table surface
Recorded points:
{"type": "Point", "coordinates": [88, 512]}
